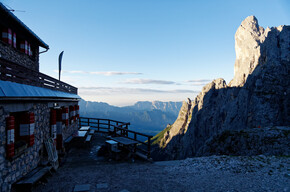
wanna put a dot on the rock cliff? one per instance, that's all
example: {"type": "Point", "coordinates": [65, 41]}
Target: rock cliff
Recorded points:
{"type": "Point", "coordinates": [257, 96]}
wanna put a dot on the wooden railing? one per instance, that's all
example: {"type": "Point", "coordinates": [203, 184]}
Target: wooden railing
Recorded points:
{"type": "Point", "coordinates": [118, 128]}
{"type": "Point", "coordinates": [102, 125]}
{"type": "Point", "coordinates": [10, 71]}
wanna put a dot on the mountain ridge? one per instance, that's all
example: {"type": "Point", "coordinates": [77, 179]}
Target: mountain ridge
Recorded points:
{"type": "Point", "coordinates": [258, 95]}
{"type": "Point", "coordinates": [146, 117]}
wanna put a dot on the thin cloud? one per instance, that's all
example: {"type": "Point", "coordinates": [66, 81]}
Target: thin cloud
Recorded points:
{"type": "Point", "coordinates": [123, 90]}
{"type": "Point", "coordinates": [198, 82]}
{"type": "Point", "coordinates": [106, 73]}
{"type": "Point", "coordinates": [148, 81]}
{"type": "Point", "coordinates": [109, 73]}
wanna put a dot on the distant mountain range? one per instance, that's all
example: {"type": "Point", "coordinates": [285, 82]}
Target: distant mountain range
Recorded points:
{"type": "Point", "coordinates": [144, 116]}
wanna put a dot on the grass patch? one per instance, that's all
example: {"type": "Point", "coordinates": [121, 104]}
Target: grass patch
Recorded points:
{"type": "Point", "coordinates": [157, 138]}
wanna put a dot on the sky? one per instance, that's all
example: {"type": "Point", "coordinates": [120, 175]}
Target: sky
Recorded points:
{"type": "Point", "coordinates": [124, 51]}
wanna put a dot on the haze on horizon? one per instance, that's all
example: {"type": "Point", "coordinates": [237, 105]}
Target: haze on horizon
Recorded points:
{"type": "Point", "coordinates": [121, 52]}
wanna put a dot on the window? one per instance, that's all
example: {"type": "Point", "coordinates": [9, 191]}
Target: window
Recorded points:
{"type": "Point", "coordinates": [23, 130]}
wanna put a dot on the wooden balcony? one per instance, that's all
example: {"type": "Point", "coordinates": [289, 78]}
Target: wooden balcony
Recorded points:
{"type": "Point", "coordinates": [10, 71]}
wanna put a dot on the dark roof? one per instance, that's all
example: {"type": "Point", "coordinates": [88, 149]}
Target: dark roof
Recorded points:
{"type": "Point", "coordinates": [15, 90]}
{"type": "Point", "coordinates": [11, 15]}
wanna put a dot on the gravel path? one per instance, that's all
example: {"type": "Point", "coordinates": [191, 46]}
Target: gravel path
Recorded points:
{"type": "Point", "coordinates": [214, 173]}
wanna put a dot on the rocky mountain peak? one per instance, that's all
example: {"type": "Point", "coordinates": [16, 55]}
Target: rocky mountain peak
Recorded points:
{"type": "Point", "coordinates": [254, 45]}
{"type": "Point", "coordinates": [215, 84]}
{"type": "Point", "coordinates": [248, 38]}
{"type": "Point", "coordinates": [257, 96]}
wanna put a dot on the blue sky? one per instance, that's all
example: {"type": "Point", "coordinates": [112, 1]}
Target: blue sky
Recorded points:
{"type": "Point", "coordinates": [123, 51]}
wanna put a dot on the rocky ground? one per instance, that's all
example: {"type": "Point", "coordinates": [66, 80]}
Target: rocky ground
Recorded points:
{"type": "Point", "coordinates": [214, 173]}
{"type": "Point", "coordinates": [249, 142]}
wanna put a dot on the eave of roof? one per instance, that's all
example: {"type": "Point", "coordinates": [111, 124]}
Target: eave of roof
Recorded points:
{"type": "Point", "coordinates": [10, 90]}
{"type": "Point", "coordinates": [41, 43]}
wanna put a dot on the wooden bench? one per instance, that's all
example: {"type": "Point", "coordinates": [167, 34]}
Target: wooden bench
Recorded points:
{"type": "Point", "coordinates": [87, 133]}
{"type": "Point", "coordinates": [91, 132]}
{"type": "Point", "coordinates": [87, 142]}
{"type": "Point", "coordinates": [27, 182]}
{"type": "Point", "coordinates": [88, 138]}
{"type": "Point", "coordinates": [67, 140]}
{"type": "Point", "coordinates": [67, 143]}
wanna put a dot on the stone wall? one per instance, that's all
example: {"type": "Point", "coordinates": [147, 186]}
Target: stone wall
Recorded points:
{"type": "Point", "coordinates": [13, 170]}
{"type": "Point", "coordinates": [11, 54]}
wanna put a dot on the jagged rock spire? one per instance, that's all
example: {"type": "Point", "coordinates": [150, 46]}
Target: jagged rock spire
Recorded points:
{"type": "Point", "coordinates": [248, 51]}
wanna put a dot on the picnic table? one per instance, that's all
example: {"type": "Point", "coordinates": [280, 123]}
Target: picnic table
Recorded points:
{"type": "Point", "coordinates": [124, 140]}
{"type": "Point", "coordinates": [81, 134]}
{"type": "Point", "coordinates": [84, 135]}
{"type": "Point", "coordinates": [126, 144]}
{"type": "Point", "coordinates": [84, 131]}
{"type": "Point", "coordinates": [84, 128]}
